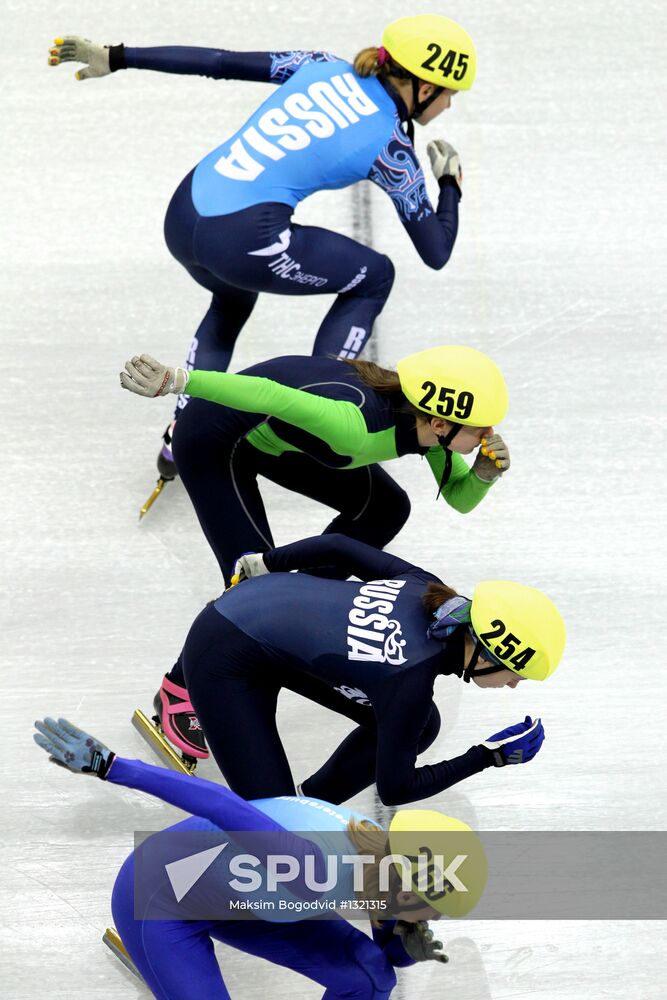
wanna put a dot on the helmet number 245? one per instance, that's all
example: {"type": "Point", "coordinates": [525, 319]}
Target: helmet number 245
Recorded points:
{"type": "Point", "coordinates": [446, 65]}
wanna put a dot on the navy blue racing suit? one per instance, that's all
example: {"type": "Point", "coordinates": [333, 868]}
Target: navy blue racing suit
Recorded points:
{"type": "Point", "coordinates": [229, 222]}
{"type": "Point", "coordinates": [360, 649]}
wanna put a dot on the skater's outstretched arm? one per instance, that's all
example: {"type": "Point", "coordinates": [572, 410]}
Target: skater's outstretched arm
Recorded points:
{"type": "Point", "coordinates": [83, 754]}
{"type": "Point", "coordinates": [218, 64]}
{"type": "Point", "coordinates": [339, 423]}
{"type": "Point", "coordinates": [347, 554]}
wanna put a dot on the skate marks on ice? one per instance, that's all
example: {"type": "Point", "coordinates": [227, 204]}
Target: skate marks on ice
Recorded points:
{"type": "Point", "coordinates": [559, 324]}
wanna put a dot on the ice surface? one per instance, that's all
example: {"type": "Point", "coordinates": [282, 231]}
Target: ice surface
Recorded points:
{"type": "Point", "coordinates": [559, 273]}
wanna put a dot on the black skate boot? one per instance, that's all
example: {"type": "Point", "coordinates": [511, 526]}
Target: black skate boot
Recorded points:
{"type": "Point", "coordinates": [165, 460]}
{"type": "Point", "coordinates": [166, 467]}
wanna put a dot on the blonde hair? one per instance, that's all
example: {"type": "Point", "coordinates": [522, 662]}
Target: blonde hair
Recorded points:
{"type": "Point", "coordinates": [369, 838]}
{"type": "Point", "coordinates": [366, 64]}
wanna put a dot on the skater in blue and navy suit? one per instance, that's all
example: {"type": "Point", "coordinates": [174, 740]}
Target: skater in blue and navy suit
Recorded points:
{"type": "Point", "coordinates": [329, 124]}
{"type": "Point", "coordinates": [175, 957]}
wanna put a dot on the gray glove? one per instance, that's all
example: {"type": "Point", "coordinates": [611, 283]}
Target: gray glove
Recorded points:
{"type": "Point", "coordinates": [250, 564]}
{"type": "Point", "coordinates": [417, 939]}
{"type": "Point", "coordinates": [444, 160]}
{"type": "Point", "coordinates": [493, 458]}
{"type": "Point", "coordinates": [71, 48]}
{"type": "Point", "coordinates": [147, 377]}
{"type": "Point", "coordinates": [72, 748]}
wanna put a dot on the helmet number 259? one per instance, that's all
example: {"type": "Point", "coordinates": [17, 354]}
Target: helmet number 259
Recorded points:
{"type": "Point", "coordinates": [508, 645]}
{"type": "Point", "coordinates": [449, 403]}
{"type": "Point", "coordinates": [446, 64]}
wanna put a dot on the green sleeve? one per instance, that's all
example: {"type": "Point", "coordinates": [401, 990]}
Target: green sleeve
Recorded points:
{"type": "Point", "coordinates": [338, 422]}
{"type": "Point", "coordinates": [464, 490]}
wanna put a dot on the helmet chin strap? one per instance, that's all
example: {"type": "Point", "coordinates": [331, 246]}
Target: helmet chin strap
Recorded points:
{"type": "Point", "coordinates": [445, 440]}
{"type": "Point", "coordinates": [470, 671]}
{"type": "Point", "coordinates": [419, 107]}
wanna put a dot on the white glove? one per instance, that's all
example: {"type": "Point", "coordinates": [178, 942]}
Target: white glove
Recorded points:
{"type": "Point", "coordinates": [444, 160]}
{"type": "Point", "coordinates": [493, 458]}
{"type": "Point", "coordinates": [250, 564]}
{"type": "Point", "coordinates": [147, 377]}
{"type": "Point", "coordinates": [71, 48]}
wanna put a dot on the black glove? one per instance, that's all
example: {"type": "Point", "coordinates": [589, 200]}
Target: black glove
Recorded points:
{"type": "Point", "coordinates": [417, 939]}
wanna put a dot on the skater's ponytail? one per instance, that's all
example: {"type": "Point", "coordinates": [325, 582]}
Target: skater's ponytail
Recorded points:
{"type": "Point", "coordinates": [376, 61]}
{"type": "Point", "coordinates": [366, 62]}
{"type": "Point", "coordinates": [387, 383]}
{"type": "Point", "coordinates": [435, 595]}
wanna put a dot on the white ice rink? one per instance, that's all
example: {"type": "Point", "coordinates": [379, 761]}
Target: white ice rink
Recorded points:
{"type": "Point", "coordinates": [558, 273]}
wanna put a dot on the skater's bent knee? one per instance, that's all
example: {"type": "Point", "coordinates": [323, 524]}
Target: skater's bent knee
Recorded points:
{"type": "Point", "coordinates": [430, 730]}
{"type": "Point", "coordinates": [388, 274]}
{"type": "Point", "coordinates": [375, 977]}
{"type": "Point", "coordinates": [397, 509]}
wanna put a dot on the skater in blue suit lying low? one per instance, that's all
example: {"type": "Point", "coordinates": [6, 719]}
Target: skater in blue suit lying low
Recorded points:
{"type": "Point", "coordinates": [176, 957]}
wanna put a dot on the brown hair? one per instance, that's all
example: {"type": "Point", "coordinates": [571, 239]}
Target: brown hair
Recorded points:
{"type": "Point", "coordinates": [387, 383]}
{"type": "Point", "coordinates": [435, 595]}
{"type": "Point", "coordinates": [366, 64]}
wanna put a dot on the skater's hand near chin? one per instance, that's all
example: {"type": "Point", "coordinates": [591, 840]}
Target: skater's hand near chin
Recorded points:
{"type": "Point", "coordinates": [147, 377]}
{"type": "Point", "coordinates": [417, 939]}
{"type": "Point", "coordinates": [492, 460]}
{"type": "Point", "coordinates": [72, 748]}
{"type": "Point", "coordinates": [444, 161]}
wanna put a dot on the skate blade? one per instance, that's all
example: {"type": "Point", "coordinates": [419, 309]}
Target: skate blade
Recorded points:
{"type": "Point", "coordinates": [154, 495]}
{"type": "Point", "coordinates": [112, 940]}
{"type": "Point", "coordinates": [159, 744]}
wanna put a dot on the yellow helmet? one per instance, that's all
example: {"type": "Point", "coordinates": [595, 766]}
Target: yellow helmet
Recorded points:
{"type": "Point", "coordinates": [520, 626]}
{"type": "Point", "coordinates": [458, 383]}
{"type": "Point", "coordinates": [433, 49]}
{"type": "Point", "coordinates": [430, 839]}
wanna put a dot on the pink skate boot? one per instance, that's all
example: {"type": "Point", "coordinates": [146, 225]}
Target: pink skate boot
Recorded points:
{"type": "Point", "coordinates": [175, 726]}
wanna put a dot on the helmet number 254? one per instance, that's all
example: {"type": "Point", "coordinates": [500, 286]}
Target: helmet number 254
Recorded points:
{"type": "Point", "coordinates": [508, 645]}
{"type": "Point", "coordinates": [449, 402]}
{"type": "Point", "coordinates": [446, 65]}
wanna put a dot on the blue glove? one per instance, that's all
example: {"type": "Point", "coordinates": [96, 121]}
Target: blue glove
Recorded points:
{"type": "Point", "coordinates": [72, 748]}
{"type": "Point", "coordinates": [516, 744]}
